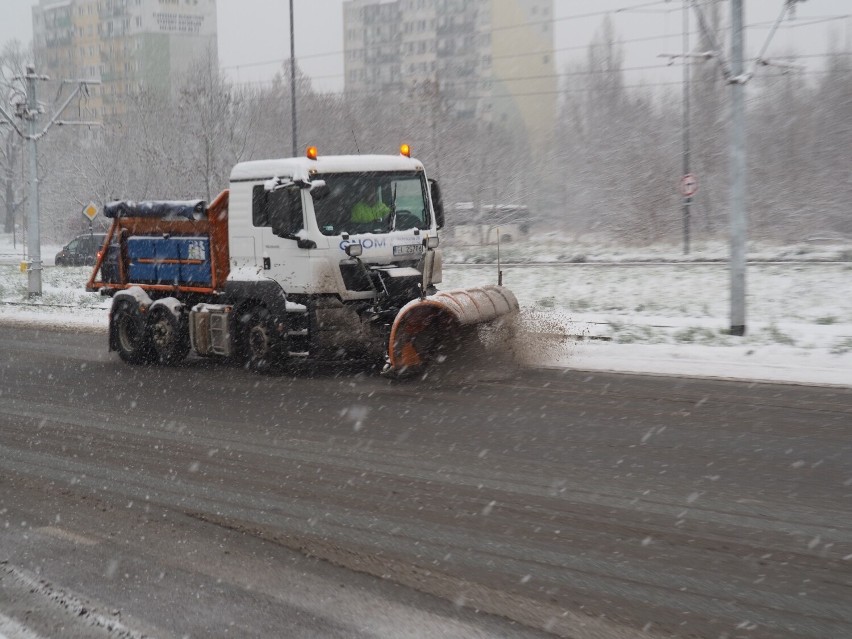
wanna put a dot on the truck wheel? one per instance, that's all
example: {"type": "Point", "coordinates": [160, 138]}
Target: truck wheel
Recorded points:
{"type": "Point", "coordinates": [131, 339]}
{"type": "Point", "coordinates": [169, 338]}
{"type": "Point", "coordinates": [256, 339]}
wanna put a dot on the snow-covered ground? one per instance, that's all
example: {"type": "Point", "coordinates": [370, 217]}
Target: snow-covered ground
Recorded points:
{"type": "Point", "coordinates": [633, 314]}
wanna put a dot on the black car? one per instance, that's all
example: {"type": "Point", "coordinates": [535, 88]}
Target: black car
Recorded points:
{"type": "Point", "coordinates": [82, 250]}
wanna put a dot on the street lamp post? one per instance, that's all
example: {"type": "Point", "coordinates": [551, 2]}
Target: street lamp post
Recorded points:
{"type": "Point", "coordinates": [738, 173]}
{"type": "Point", "coordinates": [33, 231]}
{"type": "Point", "coordinates": [293, 81]}
{"type": "Point", "coordinates": [687, 199]}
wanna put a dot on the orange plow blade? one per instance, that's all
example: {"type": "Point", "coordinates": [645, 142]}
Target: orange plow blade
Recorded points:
{"type": "Point", "coordinates": [424, 326]}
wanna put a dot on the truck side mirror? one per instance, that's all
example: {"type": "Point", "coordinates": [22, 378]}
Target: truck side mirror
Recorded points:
{"type": "Point", "coordinates": [319, 189]}
{"type": "Point", "coordinates": [437, 203]}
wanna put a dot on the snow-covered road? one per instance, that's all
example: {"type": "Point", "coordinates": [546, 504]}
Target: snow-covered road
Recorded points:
{"type": "Point", "coordinates": [666, 319]}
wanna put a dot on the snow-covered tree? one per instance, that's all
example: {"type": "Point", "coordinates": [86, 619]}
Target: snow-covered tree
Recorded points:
{"type": "Point", "coordinates": [13, 62]}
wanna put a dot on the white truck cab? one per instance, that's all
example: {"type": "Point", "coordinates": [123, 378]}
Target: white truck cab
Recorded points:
{"type": "Point", "coordinates": [292, 221]}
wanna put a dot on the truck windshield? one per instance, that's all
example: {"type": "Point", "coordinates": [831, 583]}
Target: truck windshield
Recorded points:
{"type": "Point", "coordinates": [371, 202]}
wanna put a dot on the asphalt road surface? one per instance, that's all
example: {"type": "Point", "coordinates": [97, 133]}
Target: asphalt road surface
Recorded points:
{"type": "Point", "coordinates": [208, 501]}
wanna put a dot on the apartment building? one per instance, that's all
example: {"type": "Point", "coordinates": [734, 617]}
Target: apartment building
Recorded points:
{"type": "Point", "coordinates": [490, 59]}
{"type": "Point", "coordinates": [124, 44]}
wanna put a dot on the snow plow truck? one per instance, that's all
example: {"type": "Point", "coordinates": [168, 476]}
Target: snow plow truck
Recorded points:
{"type": "Point", "coordinates": [309, 258]}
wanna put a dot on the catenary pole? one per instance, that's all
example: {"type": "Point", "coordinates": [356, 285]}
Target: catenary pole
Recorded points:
{"type": "Point", "coordinates": [738, 172]}
{"type": "Point", "coordinates": [33, 233]}
{"type": "Point", "coordinates": [736, 76]}
{"type": "Point", "coordinates": [687, 199]}
{"type": "Point", "coordinates": [293, 80]}
{"type": "Point", "coordinates": [30, 115]}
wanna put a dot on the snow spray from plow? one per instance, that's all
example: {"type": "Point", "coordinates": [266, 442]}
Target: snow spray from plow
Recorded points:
{"type": "Point", "coordinates": [425, 327]}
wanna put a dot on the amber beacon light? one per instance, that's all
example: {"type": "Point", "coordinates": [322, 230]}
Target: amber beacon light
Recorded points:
{"type": "Point", "coordinates": [405, 150]}
{"type": "Point", "coordinates": [311, 153]}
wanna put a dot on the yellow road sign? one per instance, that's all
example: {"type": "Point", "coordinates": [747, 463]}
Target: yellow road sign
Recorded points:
{"type": "Point", "coordinates": [90, 211]}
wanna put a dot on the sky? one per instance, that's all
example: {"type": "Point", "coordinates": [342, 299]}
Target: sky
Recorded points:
{"type": "Point", "coordinates": [254, 34]}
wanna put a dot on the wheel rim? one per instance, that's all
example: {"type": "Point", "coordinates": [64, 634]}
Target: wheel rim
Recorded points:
{"type": "Point", "coordinates": [127, 333]}
{"type": "Point", "coordinates": [258, 341]}
{"type": "Point", "coordinates": [162, 333]}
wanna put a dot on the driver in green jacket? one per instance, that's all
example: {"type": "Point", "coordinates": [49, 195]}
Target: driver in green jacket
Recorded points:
{"type": "Point", "coordinates": [370, 209]}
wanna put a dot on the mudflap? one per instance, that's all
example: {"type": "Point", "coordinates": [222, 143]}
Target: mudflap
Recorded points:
{"type": "Point", "coordinates": [425, 328]}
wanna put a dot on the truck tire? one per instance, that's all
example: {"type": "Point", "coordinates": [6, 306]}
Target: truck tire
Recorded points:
{"type": "Point", "coordinates": [169, 337]}
{"type": "Point", "coordinates": [257, 348]}
{"type": "Point", "coordinates": [132, 340]}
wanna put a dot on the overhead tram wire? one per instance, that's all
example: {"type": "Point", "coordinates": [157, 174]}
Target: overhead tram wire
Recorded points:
{"type": "Point", "coordinates": [587, 46]}
{"type": "Point", "coordinates": [557, 92]}
{"type": "Point", "coordinates": [582, 16]}
{"type": "Point", "coordinates": [583, 73]}
{"type": "Point", "coordinates": [800, 22]}
{"type": "Point", "coordinates": [282, 60]}
{"type": "Point", "coordinates": [579, 47]}
{"type": "Point", "coordinates": [579, 16]}
{"type": "Point", "coordinates": [330, 76]}
{"type": "Point", "coordinates": [377, 45]}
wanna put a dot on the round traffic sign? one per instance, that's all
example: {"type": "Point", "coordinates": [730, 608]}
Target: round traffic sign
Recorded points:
{"type": "Point", "coordinates": [688, 185]}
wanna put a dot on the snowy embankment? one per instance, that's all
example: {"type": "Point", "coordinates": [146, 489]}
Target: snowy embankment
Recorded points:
{"type": "Point", "coordinates": [621, 311]}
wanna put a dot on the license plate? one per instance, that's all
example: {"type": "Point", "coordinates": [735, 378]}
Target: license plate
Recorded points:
{"type": "Point", "coordinates": [408, 249]}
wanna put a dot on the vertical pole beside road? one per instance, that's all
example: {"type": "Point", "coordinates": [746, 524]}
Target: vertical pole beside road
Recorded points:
{"type": "Point", "coordinates": [33, 234]}
{"type": "Point", "coordinates": [30, 114]}
{"type": "Point", "coordinates": [687, 199]}
{"type": "Point", "coordinates": [293, 81]}
{"type": "Point", "coordinates": [738, 172]}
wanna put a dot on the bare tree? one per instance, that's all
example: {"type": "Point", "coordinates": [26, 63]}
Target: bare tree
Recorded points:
{"type": "Point", "coordinates": [13, 61]}
{"type": "Point", "coordinates": [214, 116]}
{"type": "Point", "coordinates": [709, 126]}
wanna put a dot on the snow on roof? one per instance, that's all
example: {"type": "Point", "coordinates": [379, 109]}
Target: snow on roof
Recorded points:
{"type": "Point", "coordinates": [297, 168]}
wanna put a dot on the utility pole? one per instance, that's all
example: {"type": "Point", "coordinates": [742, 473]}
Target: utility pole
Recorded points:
{"type": "Point", "coordinates": [33, 231]}
{"type": "Point", "coordinates": [687, 199]}
{"type": "Point", "coordinates": [30, 112]}
{"type": "Point", "coordinates": [737, 77]}
{"type": "Point", "coordinates": [293, 81]}
{"type": "Point", "coordinates": [738, 172]}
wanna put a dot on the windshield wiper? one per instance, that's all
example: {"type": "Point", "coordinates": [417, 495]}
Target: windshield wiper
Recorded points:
{"type": "Point", "coordinates": [392, 214]}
